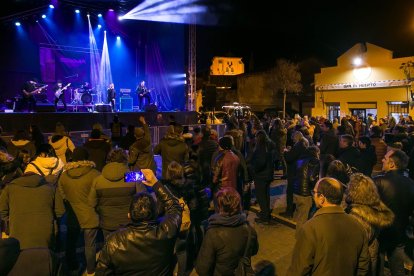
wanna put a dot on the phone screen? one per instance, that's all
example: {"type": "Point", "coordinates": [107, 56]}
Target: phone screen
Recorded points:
{"type": "Point", "coordinates": [133, 176]}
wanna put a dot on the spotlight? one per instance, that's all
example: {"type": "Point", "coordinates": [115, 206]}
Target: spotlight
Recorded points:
{"type": "Point", "coordinates": [111, 10]}
{"type": "Point", "coordinates": [118, 37]}
{"type": "Point", "coordinates": [44, 16]}
{"type": "Point", "coordinates": [17, 23]}
{"type": "Point", "coordinates": [88, 15]}
{"type": "Point", "coordinates": [51, 6]}
{"type": "Point", "coordinates": [99, 14]}
{"type": "Point", "coordinates": [99, 26]}
{"type": "Point", "coordinates": [77, 11]}
{"type": "Point", "coordinates": [357, 61]}
{"type": "Point", "coordinates": [120, 17]}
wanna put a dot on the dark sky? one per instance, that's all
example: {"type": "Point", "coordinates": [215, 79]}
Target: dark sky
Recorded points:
{"type": "Point", "coordinates": [262, 31]}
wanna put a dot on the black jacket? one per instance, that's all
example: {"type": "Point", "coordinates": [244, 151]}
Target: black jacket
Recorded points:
{"type": "Point", "coordinates": [144, 248]}
{"type": "Point", "coordinates": [307, 173]}
{"type": "Point", "coordinates": [397, 192]}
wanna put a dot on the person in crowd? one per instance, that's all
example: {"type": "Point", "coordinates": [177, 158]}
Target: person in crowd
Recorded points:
{"type": "Point", "coordinates": [226, 236]}
{"type": "Point", "coordinates": [325, 161]}
{"type": "Point", "coordinates": [205, 151]}
{"type": "Point", "coordinates": [98, 149]}
{"type": "Point", "coordinates": [380, 148]}
{"type": "Point", "coordinates": [307, 171]}
{"type": "Point", "coordinates": [261, 166]}
{"type": "Point", "coordinates": [74, 185]}
{"type": "Point", "coordinates": [129, 138]}
{"type": "Point", "coordinates": [36, 135]}
{"type": "Point", "coordinates": [348, 153]}
{"type": "Point", "coordinates": [110, 195]}
{"type": "Point", "coordinates": [225, 166]}
{"type": "Point", "coordinates": [146, 246]}
{"type": "Point", "coordinates": [172, 148]}
{"type": "Point", "coordinates": [368, 157]}
{"type": "Point", "coordinates": [278, 134]}
{"type": "Point", "coordinates": [396, 190]}
{"type": "Point", "coordinates": [9, 252]}
{"type": "Point", "coordinates": [111, 95]}
{"type": "Point", "coordinates": [292, 155]}
{"type": "Point", "coordinates": [3, 144]}
{"type": "Point", "coordinates": [339, 171]}
{"type": "Point", "coordinates": [329, 140]}
{"type": "Point", "coordinates": [31, 221]}
{"type": "Point", "coordinates": [20, 141]}
{"type": "Point", "coordinates": [61, 142]}
{"type": "Point", "coordinates": [197, 135]}
{"type": "Point", "coordinates": [104, 136]}
{"type": "Point", "coordinates": [141, 155]}
{"type": "Point", "coordinates": [232, 128]}
{"type": "Point", "coordinates": [46, 163]}
{"type": "Point", "coordinates": [9, 169]}
{"type": "Point", "coordinates": [316, 249]}
{"type": "Point", "coordinates": [364, 203]}
{"type": "Point", "coordinates": [116, 131]}
{"type": "Point", "coordinates": [180, 188]}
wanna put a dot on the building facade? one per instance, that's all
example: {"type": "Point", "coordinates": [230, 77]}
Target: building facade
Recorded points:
{"type": "Point", "coordinates": [367, 79]}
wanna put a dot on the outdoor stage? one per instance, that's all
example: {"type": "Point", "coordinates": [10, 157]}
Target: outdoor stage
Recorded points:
{"type": "Point", "coordinates": [83, 121]}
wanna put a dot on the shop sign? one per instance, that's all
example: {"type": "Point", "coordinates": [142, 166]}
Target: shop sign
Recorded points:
{"type": "Point", "coordinates": [363, 85]}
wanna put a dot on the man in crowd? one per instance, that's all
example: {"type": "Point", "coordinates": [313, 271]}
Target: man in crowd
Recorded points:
{"type": "Point", "coordinates": [321, 251]}
{"type": "Point", "coordinates": [397, 192]}
{"type": "Point", "coordinates": [146, 246]}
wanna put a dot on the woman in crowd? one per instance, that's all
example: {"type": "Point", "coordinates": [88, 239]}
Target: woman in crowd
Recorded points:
{"type": "Point", "coordinates": [20, 141]}
{"type": "Point", "coordinates": [61, 142]}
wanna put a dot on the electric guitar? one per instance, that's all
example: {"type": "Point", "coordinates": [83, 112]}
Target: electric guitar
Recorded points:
{"type": "Point", "coordinates": [145, 91]}
{"type": "Point", "coordinates": [37, 90]}
{"type": "Point", "coordinates": [60, 91]}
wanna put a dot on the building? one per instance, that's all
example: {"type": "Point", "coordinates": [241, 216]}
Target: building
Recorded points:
{"type": "Point", "coordinates": [367, 79]}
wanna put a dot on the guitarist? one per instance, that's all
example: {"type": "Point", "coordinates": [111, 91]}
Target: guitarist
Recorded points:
{"type": "Point", "coordinates": [143, 93]}
{"type": "Point", "coordinates": [28, 91]}
{"type": "Point", "coordinates": [59, 91]}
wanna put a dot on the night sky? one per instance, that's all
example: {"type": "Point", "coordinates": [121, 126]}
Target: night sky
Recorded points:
{"type": "Point", "coordinates": [262, 31]}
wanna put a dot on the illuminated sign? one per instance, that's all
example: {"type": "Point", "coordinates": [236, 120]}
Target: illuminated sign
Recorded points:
{"type": "Point", "coordinates": [362, 85]}
{"type": "Point", "coordinates": [226, 66]}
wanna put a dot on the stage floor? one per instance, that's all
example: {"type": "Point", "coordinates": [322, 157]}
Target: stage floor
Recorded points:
{"type": "Point", "coordinates": [81, 121]}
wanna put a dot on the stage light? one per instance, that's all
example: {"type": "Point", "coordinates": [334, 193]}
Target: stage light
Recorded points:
{"type": "Point", "coordinates": [51, 6]}
{"type": "Point", "coordinates": [357, 61]}
{"type": "Point", "coordinates": [118, 37]}
{"type": "Point", "coordinates": [99, 26]}
{"type": "Point", "coordinates": [120, 18]}
{"type": "Point", "coordinates": [88, 15]}
{"type": "Point", "coordinates": [17, 24]}
{"type": "Point", "coordinates": [44, 16]}
{"type": "Point", "coordinates": [100, 15]}
{"type": "Point", "coordinates": [77, 11]}
{"type": "Point", "coordinates": [111, 10]}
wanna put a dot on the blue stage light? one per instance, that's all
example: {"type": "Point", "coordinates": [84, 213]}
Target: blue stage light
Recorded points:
{"type": "Point", "coordinates": [100, 15]}
{"type": "Point", "coordinates": [99, 26]}
{"type": "Point", "coordinates": [118, 37]}
{"type": "Point", "coordinates": [77, 11]}
{"type": "Point", "coordinates": [51, 6]}
{"type": "Point", "coordinates": [44, 16]}
{"type": "Point", "coordinates": [17, 24]}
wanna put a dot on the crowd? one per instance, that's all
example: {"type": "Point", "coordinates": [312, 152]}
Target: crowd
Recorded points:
{"type": "Point", "coordinates": [349, 190]}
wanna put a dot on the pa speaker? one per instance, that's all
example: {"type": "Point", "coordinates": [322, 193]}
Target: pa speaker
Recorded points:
{"type": "Point", "coordinates": [126, 104]}
{"type": "Point", "coordinates": [103, 108]}
{"type": "Point", "coordinates": [45, 107]}
{"type": "Point", "coordinates": [151, 108]}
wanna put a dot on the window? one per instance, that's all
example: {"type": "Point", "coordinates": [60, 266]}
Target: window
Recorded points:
{"type": "Point", "coordinates": [334, 111]}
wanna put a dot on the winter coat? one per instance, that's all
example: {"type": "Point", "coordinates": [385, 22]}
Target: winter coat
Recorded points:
{"type": "Point", "coordinates": [380, 151]}
{"type": "Point", "coordinates": [367, 160]}
{"type": "Point", "coordinates": [224, 244]}
{"type": "Point", "coordinates": [14, 147]}
{"type": "Point", "coordinates": [206, 149]}
{"type": "Point", "coordinates": [225, 168]}
{"type": "Point", "coordinates": [145, 248]}
{"type": "Point", "coordinates": [329, 143]}
{"type": "Point", "coordinates": [47, 165]}
{"type": "Point", "coordinates": [141, 155]}
{"type": "Point", "coordinates": [307, 174]}
{"type": "Point", "coordinates": [9, 252]}
{"type": "Point", "coordinates": [31, 205]}
{"type": "Point", "coordinates": [349, 156]}
{"type": "Point", "coordinates": [74, 185]}
{"type": "Point", "coordinates": [317, 247]}
{"type": "Point", "coordinates": [279, 137]}
{"type": "Point", "coordinates": [261, 163]}
{"type": "Point", "coordinates": [172, 148]}
{"type": "Point", "coordinates": [98, 150]}
{"type": "Point", "coordinates": [61, 144]}
{"type": "Point", "coordinates": [397, 193]}
{"type": "Point", "coordinates": [111, 196]}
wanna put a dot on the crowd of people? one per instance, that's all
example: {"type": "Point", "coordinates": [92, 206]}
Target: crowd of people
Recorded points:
{"type": "Point", "coordinates": [349, 190]}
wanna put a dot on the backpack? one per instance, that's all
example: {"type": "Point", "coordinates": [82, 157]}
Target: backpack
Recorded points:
{"type": "Point", "coordinates": [185, 216]}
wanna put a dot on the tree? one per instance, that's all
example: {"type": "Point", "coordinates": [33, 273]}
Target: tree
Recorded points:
{"type": "Point", "coordinates": [286, 77]}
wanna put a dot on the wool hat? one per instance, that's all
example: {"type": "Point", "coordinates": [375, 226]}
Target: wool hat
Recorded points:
{"type": "Point", "coordinates": [80, 154]}
{"type": "Point", "coordinates": [139, 133]}
{"type": "Point", "coordinates": [225, 143]}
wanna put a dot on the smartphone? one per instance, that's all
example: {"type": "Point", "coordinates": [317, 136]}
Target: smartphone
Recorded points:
{"type": "Point", "coordinates": [134, 176]}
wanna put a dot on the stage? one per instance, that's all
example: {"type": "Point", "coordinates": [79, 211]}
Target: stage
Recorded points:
{"type": "Point", "coordinates": [83, 121]}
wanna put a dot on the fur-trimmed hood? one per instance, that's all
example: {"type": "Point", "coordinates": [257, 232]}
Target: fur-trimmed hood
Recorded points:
{"type": "Point", "coordinates": [377, 216]}
{"type": "Point", "coordinates": [79, 168]}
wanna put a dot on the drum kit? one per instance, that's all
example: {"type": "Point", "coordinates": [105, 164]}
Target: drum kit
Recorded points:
{"type": "Point", "coordinates": [83, 96]}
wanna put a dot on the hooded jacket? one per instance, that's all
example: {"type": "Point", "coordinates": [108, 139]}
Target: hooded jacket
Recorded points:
{"type": "Point", "coordinates": [74, 185]}
{"type": "Point", "coordinates": [111, 196]}
{"type": "Point", "coordinates": [48, 166]}
{"type": "Point", "coordinates": [14, 147]}
{"type": "Point", "coordinates": [98, 150]}
{"type": "Point", "coordinates": [61, 144]}
{"type": "Point", "coordinates": [140, 153]}
{"type": "Point", "coordinates": [30, 205]}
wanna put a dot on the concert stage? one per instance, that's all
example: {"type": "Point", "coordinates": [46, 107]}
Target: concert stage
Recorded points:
{"type": "Point", "coordinates": [81, 121]}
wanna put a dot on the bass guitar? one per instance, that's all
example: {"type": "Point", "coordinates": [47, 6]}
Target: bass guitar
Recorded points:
{"type": "Point", "coordinates": [60, 91]}
{"type": "Point", "coordinates": [37, 90]}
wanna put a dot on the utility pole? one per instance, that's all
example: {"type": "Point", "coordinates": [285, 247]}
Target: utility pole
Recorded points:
{"type": "Point", "coordinates": [191, 71]}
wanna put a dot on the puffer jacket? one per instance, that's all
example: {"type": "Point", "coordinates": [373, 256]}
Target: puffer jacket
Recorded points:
{"type": "Point", "coordinates": [61, 144]}
{"type": "Point", "coordinates": [31, 205]}
{"type": "Point", "coordinates": [111, 196]}
{"type": "Point", "coordinates": [172, 148]}
{"type": "Point", "coordinates": [224, 244]}
{"type": "Point", "coordinates": [145, 248]}
{"type": "Point", "coordinates": [307, 173]}
{"type": "Point", "coordinates": [140, 153]}
{"type": "Point", "coordinates": [75, 185]}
